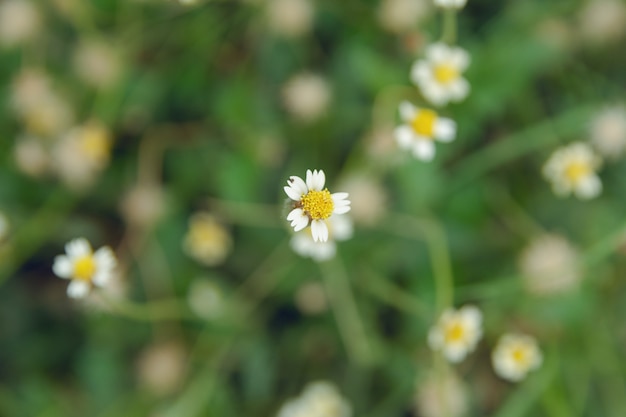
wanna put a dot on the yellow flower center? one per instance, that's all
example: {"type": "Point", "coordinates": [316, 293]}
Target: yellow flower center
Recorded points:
{"type": "Point", "coordinates": [520, 355]}
{"type": "Point", "coordinates": [96, 143]}
{"type": "Point", "coordinates": [84, 268]}
{"type": "Point", "coordinates": [424, 123]}
{"type": "Point", "coordinates": [318, 204]}
{"type": "Point", "coordinates": [445, 73]}
{"type": "Point", "coordinates": [454, 332]}
{"type": "Point", "coordinates": [576, 171]}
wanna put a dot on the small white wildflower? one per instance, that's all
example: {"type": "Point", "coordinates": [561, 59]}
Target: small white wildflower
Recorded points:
{"type": "Point", "coordinates": [420, 128]}
{"type": "Point", "coordinates": [456, 333]}
{"type": "Point", "coordinates": [84, 267]}
{"type": "Point", "coordinates": [318, 399]}
{"type": "Point", "coordinates": [31, 157]}
{"type": "Point", "coordinates": [401, 16]}
{"type": "Point", "coordinates": [439, 75]}
{"type": "Point", "coordinates": [306, 96]}
{"type": "Point", "coordinates": [549, 265]}
{"type": "Point", "coordinates": [20, 21]}
{"type": "Point", "coordinates": [602, 21]}
{"type": "Point", "coordinates": [28, 88]}
{"type": "Point", "coordinates": [339, 229]}
{"type": "Point", "coordinates": [313, 204]}
{"type": "Point", "coordinates": [161, 367]}
{"type": "Point", "coordinates": [97, 63]}
{"type": "Point", "coordinates": [572, 169]}
{"type": "Point", "coordinates": [207, 241]}
{"type": "Point", "coordinates": [515, 355]}
{"type": "Point", "coordinates": [450, 4]}
{"type": "Point", "coordinates": [441, 394]}
{"type": "Point", "coordinates": [290, 18]}
{"type": "Point", "coordinates": [608, 131]}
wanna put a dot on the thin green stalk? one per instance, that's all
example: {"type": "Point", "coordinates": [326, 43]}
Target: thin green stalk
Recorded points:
{"type": "Point", "coordinates": [449, 26]}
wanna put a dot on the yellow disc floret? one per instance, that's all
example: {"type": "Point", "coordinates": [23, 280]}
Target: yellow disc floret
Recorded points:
{"type": "Point", "coordinates": [84, 268]}
{"type": "Point", "coordinates": [424, 123]}
{"type": "Point", "coordinates": [520, 355]}
{"type": "Point", "coordinates": [318, 205]}
{"type": "Point", "coordinates": [445, 73]}
{"type": "Point", "coordinates": [454, 332]}
{"type": "Point", "coordinates": [576, 171]}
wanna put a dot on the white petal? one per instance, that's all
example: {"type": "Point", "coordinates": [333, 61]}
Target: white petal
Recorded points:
{"type": "Point", "coordinates": [424, 150]}
{"type": "Point", "coordinates": [407, 111]}
{"type": "Point", "coordinates": [296, 188]}
{"type": "Point", "coordinates": [445, 129]}
{"type": "Point", "coordinates": [105, 258]}
{"type": "Point", "coordinates": [435, 94]}
{"type": "Point", "coordinates": [318, 179]}
{"type": "Point", "coordinates": [298, 219]}
{"type": "Point", "coordinates": [319, 230]}
{"type": "Point", "coordinates": [102, 277]}
{"type": "Point", "coordinates": [459, 89]}
{"type": "Point", "coordinates": [63, 267]}
{"type": "Point", "coordinates": [77, 289]}
{"type": "Point", "coordinates": [341, 227]}
{"type": "Point", "coordinates": [78, 248]}
{"type": "Point", "coordinates": [437, 52]}
{"type": "Point", "coordinates": [404, 136]}
{"type": "Point", "coordinates": [341, 209]}
{"type": "Point", "coordinates": [460, 59]}
{"type": "Point", "coordinates": [421, 73]}
{"type": "Point", "coordinates": [295, 213]}
{"type": "Point", "coordinates": [323, 251]}
{"type": "Point", "coordinates": [588, 187]}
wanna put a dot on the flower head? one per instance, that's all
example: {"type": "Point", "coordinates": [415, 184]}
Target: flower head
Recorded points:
{"type": "Point", "coordinates": [456, 333]}
{"type": "Point", "coordinates": [306, 96]}
{"type": "Point", "coordinates": [572, 169]}
{"type": "Point", "coordinates": [608, 131]}
{"type": "Point", "coordinates": [441, 394]}
{"type": "Point", "coordinates": [515, 355]}
{"type": "Point", "coordinates": [339, 229]}
{"type": "Point", "coordinates": [400, 16]}
{"type": "Point", "coordinates": [84, 267]}
{"type": "Point", "coordinates": [439, 75]}
{"type": "Point", "coordinates": [20, 21]}
{"type": "Point", "coordinates": [450, 4]}
{"type": "Point", "coordinates": [318, 399]}
{"type": "Point", "coordinates": [97, 63]}
{"type": "Point", "coordinates": [290, 18]}
{"type": "Point", "coordinates": [207, 241]}
{"type": "Point", "coordinates": [420, 129]}
{"type": "Point", "coordinates": [313, 204]}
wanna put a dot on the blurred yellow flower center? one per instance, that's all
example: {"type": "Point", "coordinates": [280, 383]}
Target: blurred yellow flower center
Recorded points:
{"type": "Point", "coordinates": [84, 268]}
{"type": "Point", "coordinates": [519, 355]}
{"type": "Point", "coordinates": [424, 123]}
{"type": "Point", "coordinates": [454, 332]}
{"type": "Point", "coordinates": [96, 143]}
{"type": "Point", "coordinates": [318, 204]}
{"type": "Point", "coordinates": [577, 170]}
{"type": "Point", "coordinates": [445, 73]}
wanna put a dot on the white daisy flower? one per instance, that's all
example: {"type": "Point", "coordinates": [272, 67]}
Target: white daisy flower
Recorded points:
{"type": "Point", "coordinates": [608, 131]}
{"type": "Point", "coordinates": [420, 129]}
{"type": "Point", "coordinates": [572, 169]}
{"type": "Point", "coordinates": [450, 4]}
{"type": "Point", "coordinates": [313, 204]}
{"type": "Point", "coordinates": [456, 333]}
{"type": "Point", "coordinates": [84, 267]}
{"type": "Point", "coordinates": [20, 21]}
{"type": "Point", "coordinates": [290, 18]}
{"type": "Point", "coordinates": [439, 76]}
{"type": "Point", "coordinates": [339, 228]}
{"type": "Point", "coordinates": [207, 241]}
{"type": "Point", "coordinates": [515, 355]}
{"type": "Point", "coordinates": [318, 399]}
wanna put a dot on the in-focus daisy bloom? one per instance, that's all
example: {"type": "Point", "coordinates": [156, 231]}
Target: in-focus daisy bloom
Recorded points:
{"type": "Point", "coordinates": [572, 169]}
{"type": "Point", "coordinates": [313, 204]}
{"type": "Point", "coordinates": [608, 132]}
{"type": "Point", "coordinates": [207, 241]}
{"type": "Point", "coordinates": [439, 75]}
{"type": "Point", "coordinates": [318, 399]}
{"type": "Point", "coordinates": [20, 21]}
{"type": "Point", "coordinates": [450, 4]}
{"type": "Point", "coordinates": [549, 265]}
{"type": "Point", "coordinates": [515, 355]}
{"type": "Point", "coordinates": [339, 229]}
{"type": "Point", "coordinates": [84, 267]}
{"type": "Point", "coordinates": [456, 333]}
{"type": "Point", "coordinates": [306, 96]}
{"type": "Point", "coordinates": [420, 129]}
{"type": "Point", "coordinates": [441, 394]}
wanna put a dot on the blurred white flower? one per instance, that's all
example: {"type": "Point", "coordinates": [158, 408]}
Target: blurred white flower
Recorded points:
{"type": "Point", "coordinates": [420, 129]}
{"type": "Point", "coordinates": [161, 367]}
{"type": "Point", "coordinates": [4, 226]}
{"type": "Point", "coordinates": [306, 96]}
{"type": "Point", "coordinates": [572, 169]}
{"type": "Point", "coordinates": [207, 241]}
{"type": "Point", "coordinates": [51, 115]}
{"type": "Point", "coordinates": [608, 131]}
{"type": "Point", "coordinates": [441, 394]}
{"type": "Point", "coordinates": [20, 21]}
{"type": "Point", "coordinates": [31, 157]}
{"type": "Point", "coordinates": [549, 265]}
{"type": "Point", "coordinates": [28, 88]}
{"type": "Point", "coordinates": [368, 197]}
{"type": "Point", "coordinates": [318, 399]}
{"type": "Point", "coordinates": [515, 355]}
{"type": "Point", "coordinates": [400, 16]}
{"type": "Point", "coordinates": [290, 18]}
{"type": "Point", "coordinates": [205, 299]}
{"type": "Point", "coordinates": [143, 205]}
{"type": "Point", "coordinates": [450, 4]}
{"type": "Point", "coordinates": [456, 333]}
{"type": "Point", "coordinates": [81, 154]}
{"type": "Point", "coordinates": [602, 21]}
{"type": "Point", "coordinates": [84, 267]}
{"type": "Point", "coordinates": [311, 298]}
{"type": "Point", "coordinates": [339, 229]}
{"type": "Point", "coordinates": [97, 63]}
{"type": "Point", "coordinates": [313, 204]}
{"type": "Point", "coordinates": [439, 75]}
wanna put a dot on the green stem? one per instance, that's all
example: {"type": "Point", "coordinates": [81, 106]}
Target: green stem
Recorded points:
{"type": "Point", "coordinates": [449, 26]}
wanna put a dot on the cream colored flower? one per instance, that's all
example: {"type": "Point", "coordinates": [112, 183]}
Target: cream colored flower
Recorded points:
{"type": "Point", "coordinates": [318, 399]}
{"type": "Point", "coordinates": [306, 96]}
{"type": "Point", "coordinates": [441, 394]}
{"type": "Point", "coordinates": [602, 21]}
{"type": "Point", "coordinates": [549, 265]}
{"type": "Point", "coordinates": [515, 355]}
{"type": "Point", "coordinates": [143, 205]}
{"type": "Point", "coordinates": [572, 169]}
{"type": "Point", "coordinates": [439, 75]}
{"type": "Point", "coordinates": [400, 16]}
{"type": "Point", "coordinates": [205, 299]}
{"type": "Point", "coordinates": [313, 204]}
{"type": "Point", "coordinates": [456, 333]}
{"type": "Point", "coordinates": [20, 21]}
{"type": "Point", "coordinates": [608, 131]}
{"type": "Point", "coordinates": [161, 367]}
{"type": "Point", "coordinates": [290, 18]}
{"type": "Point", "coordinates": [97, 63]}
{"type": "Point", "coordinates": [207, 241]}
{"type": "Point", "coordinates": [339, 229]}
{"type": "Point", "coordinates": [31, 157]}
{"type": "Point", "coordinates": [368, 197]}
{"type": "Point", "coordinates": [84, 267]}
{"type": "Point", "coordinates": [450, 4]}
{"type": "Point", "coordinates": [420, 129]}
